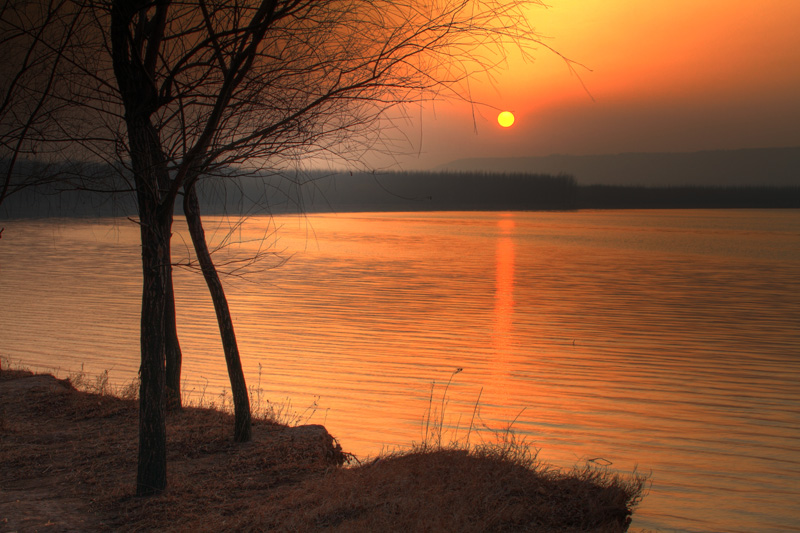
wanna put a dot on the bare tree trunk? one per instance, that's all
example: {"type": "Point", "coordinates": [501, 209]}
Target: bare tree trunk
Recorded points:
{"type": "Point", "coordinates": [152, 465]}
{"type": "Point", "coordinates": [241, 402]}
{"type": "Point", "coordinates": [140, 98]}
{"type": "Point", "coordinates": [172, 349]}
{"type": "Point", "coordinates": [155, 221]}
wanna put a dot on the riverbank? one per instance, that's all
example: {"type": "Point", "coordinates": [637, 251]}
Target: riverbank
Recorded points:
{"type": "Point", "coordinates": [68, 463]}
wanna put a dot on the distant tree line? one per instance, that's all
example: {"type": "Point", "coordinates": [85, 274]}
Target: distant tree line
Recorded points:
{"type": "Point", "coordinates": [319, 191]}
{"type": "Point", "coordinates": [438, 191]}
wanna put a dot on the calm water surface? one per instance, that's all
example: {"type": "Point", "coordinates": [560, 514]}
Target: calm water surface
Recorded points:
{"type": "Point", "coordinates": [664, 339]}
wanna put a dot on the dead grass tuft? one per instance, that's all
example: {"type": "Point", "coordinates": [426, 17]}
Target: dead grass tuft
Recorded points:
{"type": "Point", "coordinates": [455, 490]}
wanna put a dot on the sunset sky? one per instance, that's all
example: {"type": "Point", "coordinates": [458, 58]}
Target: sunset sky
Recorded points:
{"type": "Point", "coordinates": [684, 75]}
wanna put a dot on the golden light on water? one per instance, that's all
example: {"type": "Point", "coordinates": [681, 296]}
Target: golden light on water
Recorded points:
{"type": "Point", "coordinates": [569, 327]}
{"type": "Point", "coordinates": [503, 300]}
{"type": "Point", "coordinates": [506, 119]}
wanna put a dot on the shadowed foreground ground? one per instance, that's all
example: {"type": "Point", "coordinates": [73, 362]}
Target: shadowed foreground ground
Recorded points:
{"type": "Point", "coordinates": [67, 463]}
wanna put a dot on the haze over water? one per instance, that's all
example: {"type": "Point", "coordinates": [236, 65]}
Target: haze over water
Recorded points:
{"type": "Point", "coordinates": [664, 339]}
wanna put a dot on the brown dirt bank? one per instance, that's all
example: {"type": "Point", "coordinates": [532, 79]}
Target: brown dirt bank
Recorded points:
{"type": "Point", "coordinates": [68, 462]}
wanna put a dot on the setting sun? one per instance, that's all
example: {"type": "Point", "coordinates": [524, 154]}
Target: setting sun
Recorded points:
{"type": "Point", "coordinates": [505, 119]}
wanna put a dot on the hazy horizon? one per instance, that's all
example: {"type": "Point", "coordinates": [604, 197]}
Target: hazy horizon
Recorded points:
{"type": "Point", "coordinates": [766, 178]}
{"type": "Point", "coordinates": [773, 166]}
{"type": "Point", "coordinates": [677, 77]}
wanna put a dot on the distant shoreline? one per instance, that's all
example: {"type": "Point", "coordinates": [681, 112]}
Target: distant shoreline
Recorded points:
{"type": "Point", "coordinates": [744, 197]}
{"type": "Point", "coordinates": [318, 192]}
{"type": "Point", "coordinates": [762, 178]}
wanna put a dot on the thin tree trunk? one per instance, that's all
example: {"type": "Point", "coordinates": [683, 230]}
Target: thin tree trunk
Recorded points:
{"type": "Point", "coordinates": [241, 402]}
{"type": "Point", "coordinates": [172, 348]}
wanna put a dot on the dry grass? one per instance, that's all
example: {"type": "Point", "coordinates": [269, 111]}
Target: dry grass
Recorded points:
{"type": "Point", "coordinates": [67, 458]}
{"type": "Point", "coordinates": [454, 490]}
{"type": "Point", "coordinates": [261, 407]}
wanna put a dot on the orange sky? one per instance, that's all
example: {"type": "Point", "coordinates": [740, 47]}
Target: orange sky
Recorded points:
{"type": "Point", "coordinates": [683, 75]}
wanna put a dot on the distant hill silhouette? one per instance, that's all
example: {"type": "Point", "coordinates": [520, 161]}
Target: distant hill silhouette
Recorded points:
{"type": "Point", "coordinates": [747, 167]}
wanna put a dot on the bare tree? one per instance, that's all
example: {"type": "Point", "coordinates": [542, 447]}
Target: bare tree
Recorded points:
{"type": "Point", "coordinates": [33, 37]}
{"type": "Point", "coordinates": [175, 91]}
{"type": "Point", "coordinates": [210, 84]}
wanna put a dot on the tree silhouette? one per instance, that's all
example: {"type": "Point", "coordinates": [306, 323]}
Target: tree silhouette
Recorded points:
{"type": "Point", "coordinates": [175, 92]}
{"type": "Point", "coordinates": [33, 38]}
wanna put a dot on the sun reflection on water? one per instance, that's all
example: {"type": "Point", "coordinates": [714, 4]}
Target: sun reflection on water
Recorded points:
{"type": "Point", "coordinates": [504, 296]}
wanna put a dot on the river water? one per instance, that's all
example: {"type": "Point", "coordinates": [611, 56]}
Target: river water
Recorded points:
{"type": "Point", "coordinates": [667, 341]}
